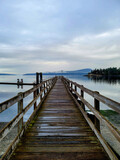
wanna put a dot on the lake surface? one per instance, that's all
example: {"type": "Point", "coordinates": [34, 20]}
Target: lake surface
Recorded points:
{"type": "Point", "coordinates": [109, 89]}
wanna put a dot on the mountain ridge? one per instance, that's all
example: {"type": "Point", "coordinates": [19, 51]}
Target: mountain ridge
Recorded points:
{"type": "Point", "coordinates": [80, 71]}
{"type": "Point", "coordinates": [6, 74]}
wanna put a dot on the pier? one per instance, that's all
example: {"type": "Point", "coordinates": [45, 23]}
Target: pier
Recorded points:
{"type": "Point", "coordinates": [59, 127]}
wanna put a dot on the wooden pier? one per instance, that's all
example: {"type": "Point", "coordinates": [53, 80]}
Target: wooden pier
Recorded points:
{"type": "Point", "coordinates": [59, 128]}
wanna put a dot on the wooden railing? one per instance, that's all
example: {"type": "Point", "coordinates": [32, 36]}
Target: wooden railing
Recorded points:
{"type": "Point", "coordinates": [39, 91]}
{"type": "Point", "coordinates": [78, 96]}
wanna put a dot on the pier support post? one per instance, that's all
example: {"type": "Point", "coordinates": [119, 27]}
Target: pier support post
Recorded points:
{"type": "Point", "coordinates": [20, 108]}
{"type": "Point", "coordinates": [41, 86]}
{"type": "Point", "coordinates": [17, 83]}
{"type": "Point", "coordinates": [41, 77]}
{"type": "Point", "coordinates": [37, 81]}
{"type": "Point", "coordinates": [97, 107]}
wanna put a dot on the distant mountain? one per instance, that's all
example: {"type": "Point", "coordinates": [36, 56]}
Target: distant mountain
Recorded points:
{"type": "Point", "coordinates": [86, 70]}
{"type": "Point", "coordinates": [75, 72]}
{"type": "Point", "coordinates": [28, 74]}
{"type": "Point", "coordinates": [6, 74]}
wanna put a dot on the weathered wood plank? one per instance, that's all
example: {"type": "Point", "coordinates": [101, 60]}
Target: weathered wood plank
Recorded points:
{"type": "Point", "coordinates": [59, 132]}
{"type": "Point", "coordinates": [60, 156]}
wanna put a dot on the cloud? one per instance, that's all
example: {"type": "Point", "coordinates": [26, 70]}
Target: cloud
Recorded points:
{"type": "Point", "coordinates": [59, 35]}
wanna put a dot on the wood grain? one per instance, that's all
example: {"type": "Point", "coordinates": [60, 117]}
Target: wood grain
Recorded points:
{"type": "Point", "coordinates": [59, 132]}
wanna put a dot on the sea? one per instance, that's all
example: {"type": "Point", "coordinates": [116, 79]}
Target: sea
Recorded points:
{"type": "Point", "coordinates": [107, 87]}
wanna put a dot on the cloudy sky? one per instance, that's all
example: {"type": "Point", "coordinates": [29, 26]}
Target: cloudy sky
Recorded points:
{"type": "Point", "coordinates": [52, 35]}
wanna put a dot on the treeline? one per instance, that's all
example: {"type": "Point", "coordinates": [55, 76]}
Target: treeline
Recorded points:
{"type": "Point", "coordinates": [107, 71]}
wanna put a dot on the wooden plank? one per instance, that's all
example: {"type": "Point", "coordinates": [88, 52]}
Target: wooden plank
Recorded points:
{"type": "Point", "coordinates": [59, 132]}
{"type": "Point", "coordinates": [60, 156]}
{"type": "Point", "coordinates": [102, 140]}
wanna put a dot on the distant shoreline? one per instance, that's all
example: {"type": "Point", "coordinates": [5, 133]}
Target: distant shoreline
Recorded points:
{"type": "Point", "coordinates": [102, 76]}
{"type": "Point", "coordinates": [3, 74]}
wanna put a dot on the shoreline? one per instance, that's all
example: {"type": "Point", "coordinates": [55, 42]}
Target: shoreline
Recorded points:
{"type": "Point", "coordinates": [102, 76]}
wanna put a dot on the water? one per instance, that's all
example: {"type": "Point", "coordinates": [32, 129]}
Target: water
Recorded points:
{"type": "Point", "coordinates": [106, 88]}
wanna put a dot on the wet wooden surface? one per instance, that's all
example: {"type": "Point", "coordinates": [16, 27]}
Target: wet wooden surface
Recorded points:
{"type": "Point", "coordinates": [59, 132]}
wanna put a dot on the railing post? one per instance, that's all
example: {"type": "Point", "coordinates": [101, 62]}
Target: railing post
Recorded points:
{"type": "Point", "coordinates": [75, 88]}
{"type": "Point", "coordinates": [71, 87]}
{"type": "Point", "coordinates": [41, 85]}
{"type": "Point", "coordinates": [68, 85]}
{"type": "Point", "coordinates": [82, 95]}
{"type": "Point", "coordinates": [75, 91]}
{"type": "Point", "coordinates": [97, 107]}
{"type": "Point", "coordinates": [44, 88]}
{"type": "Point", "coordinates": [34, 96]}
{"type": "Point", "coordinates": [20, 108]}
{"type": "Point", "coordinates": [47, 86]}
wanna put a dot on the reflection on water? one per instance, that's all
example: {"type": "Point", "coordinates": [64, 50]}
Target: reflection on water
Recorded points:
{"type": "Point", "coordinates": [111, 80]}
{"type": "Point", "coordinates": [107, 87]}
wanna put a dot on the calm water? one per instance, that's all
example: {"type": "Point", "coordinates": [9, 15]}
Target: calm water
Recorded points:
{"type": "Point", "coordinates": [107, 88]}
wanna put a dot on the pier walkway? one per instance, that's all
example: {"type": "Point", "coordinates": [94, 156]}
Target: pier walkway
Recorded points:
{"type": "Point", "coordinates": [59, 126]}
{"type": "Point", "coordinates": [59, 132]}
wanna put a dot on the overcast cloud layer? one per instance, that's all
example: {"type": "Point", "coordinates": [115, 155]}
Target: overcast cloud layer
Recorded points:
{"type": "Point", "coordinates": [51, 35]}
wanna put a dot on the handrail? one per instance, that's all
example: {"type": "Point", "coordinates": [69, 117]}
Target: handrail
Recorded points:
{"type": "Point", "coordinates": [111, 103]}
{"type": "Point", "coordinates": [113, 129]}
{"type": "Point", "coordinates": [41, 90]}
{"type": "Point", "coordinates": [95, 125]}
{"type": "Point", "coordinates": [15, 120]}
{"type": "Point", "coordinates": [8, 103]}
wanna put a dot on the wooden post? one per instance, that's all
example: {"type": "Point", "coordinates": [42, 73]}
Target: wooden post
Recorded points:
{"type": "Point", "coordinates": [82, 95]}
{"type": "Point", "coordinates": [40, 86]}
{"type": "Point", "coordinates": [44, 88]}
{"type": "Point", "coordinates": [71, 87]}
{"type": "Point", "coordinates": [18, 83]}
{"type": "Point", "coordinates": [75, 88]}
{"type": "Point", "coordinates": [47, 85]}
{"type": "Point", "coordinates": [34, 95]}
{"type": "Point", "coordinates": [21, 83]}
{"type": "Point", "coordinates": [20, 108]}
{"type": "Point", "coordinates": [76, 91]}
{"type": "Point", "coordinates": [37, 81]}
{"type": "Point", "coordinates": [97, 107]}
{"type": "Point", "coordinates": [37, 78]}
{"type": "Point", "coordinates": [41, 77]}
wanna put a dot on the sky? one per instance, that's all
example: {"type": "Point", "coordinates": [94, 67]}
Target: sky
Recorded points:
{"type": "Point", "coordinates": [54, 35]}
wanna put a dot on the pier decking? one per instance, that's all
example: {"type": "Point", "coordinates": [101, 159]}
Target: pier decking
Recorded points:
{"type": "Point", "coordinates": [59, 132]}
{"type": "Point", "coordinates": [59, 128]}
